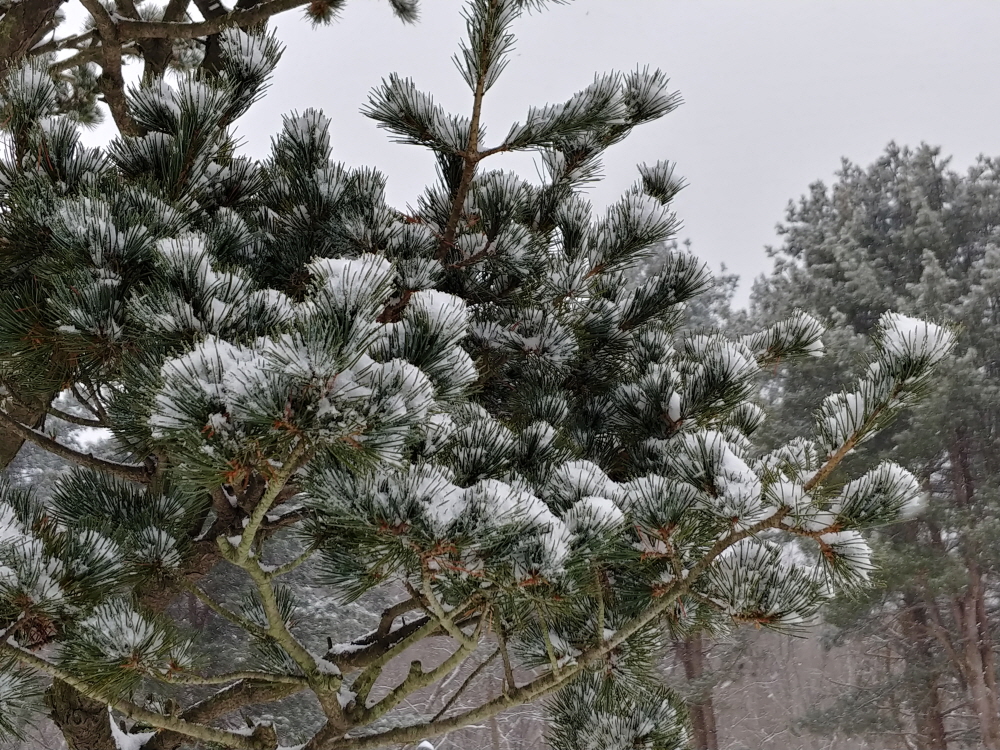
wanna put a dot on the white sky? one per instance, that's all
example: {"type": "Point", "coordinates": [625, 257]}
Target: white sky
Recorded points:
{"type": "Point", "coordinates": [775, 93]}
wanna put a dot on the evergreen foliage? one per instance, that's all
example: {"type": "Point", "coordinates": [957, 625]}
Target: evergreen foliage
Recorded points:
{"type": "Point", "coordinates": [908, 233]}
{"type": "Point", "coordinates": [87, 64]}
{"type": "Point", "coordinates": [467, 409]}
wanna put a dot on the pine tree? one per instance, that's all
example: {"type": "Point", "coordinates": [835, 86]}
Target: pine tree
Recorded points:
{"type": "Point", "coordinates": [87, 65]}
{"type": "Point", "coordinates": [462, 409]}
{"type": "Point", "coordinates": [910, 234]}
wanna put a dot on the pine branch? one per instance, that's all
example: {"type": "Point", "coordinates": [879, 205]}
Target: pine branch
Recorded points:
{"type": "Point", "coordinates": [77, 41]}
{"type": "Point", "coordinates": [158, 52]}
{"type": "Point", "coordinates": [443, 617]}
{"type": "Point", "coordinates": [97, 408]}
{"type": "Point", "coordinates": [390, 614]}
{"type": "Point", "coordinates": [291, 565]}
{"type": "Point", "coordinates": [132, 472]}
{"type": "Point", "coordinates": [471, 156]}
{"type": "Point", "coordinates": [417, 679]}
{"type": "Point", "coordinates": [508, 670]}
{"type": "Point", "coordinates": [465, 684]}
{"type": "Point", "coordinates": [235, 697]}
{"type": "Point", "coordinates": [276, 627]}
{"type": "Point", "coordinates": [112, 81]}
{"type": "Point", "coordinates": [834, 460]}
{"type": "Point", "coordinates": [363, 684]}
{"type": "Point", "coordinates": [23, 24]}
{"type": "Point", "coordinates": [73, 419]}
{"type": "Point", "coordinates": [539, 688]}
{"type": "Point", "coordinates": [135, 30]}
{"type": "Point", "coordinates": [132, 711]}
{"type": "Point", "coordinates": [551, 681]}
{"type": "Point", "coordinates": [128, 8]}
{"type": "Point", "coordinates": [221, 679]}
{"type": "Point", "coordinates": [274, 487]}
{"type": "Point", "coordinates": [221, 611]}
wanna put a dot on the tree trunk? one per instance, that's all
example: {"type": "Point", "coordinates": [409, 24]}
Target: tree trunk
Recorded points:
{"type": "Point", "coordinates": [977, 650]}
{"type": "Point", "coordinates": [700, 707]}
{"type": "Point", "coordinates": [10, 444]}
{"type": "Point", "coordinates": [921, 659]}
{"type": "Point", "coordinates": [85, 723]}
{"type": "Point", "coordinates": [970, 611]}
{"type": "Point", "coordinates": [22, 26]}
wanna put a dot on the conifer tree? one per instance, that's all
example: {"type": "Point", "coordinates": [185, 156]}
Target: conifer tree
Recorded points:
{"type": "Point", "coordinates": [908, 233]}
{"type": "Point", "coordinates": [463, 408]}
{"type": "Point", "coordinates": [87, 64]}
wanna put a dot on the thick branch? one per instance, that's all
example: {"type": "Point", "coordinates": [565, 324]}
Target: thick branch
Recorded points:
{"type": "Point", "coordinates": [232, 698]}
{"type": "Point", "coordinates": [417, 679]}
{"type": "Point", "coordinates": [550, 681]}
{"type": "Point", "coordinates": [73, 419]}
{"type": "Point", "coordinates": [158, 52]}
{"type": "Point", "coordinates": [22, 26]}
{"type": "Point", "coordinates": [276, 626]}
{"type": "Point", "coordinates": [222, 679]}
{"type": "Point", "coordinates": [112, 81]}
{"type": "Point", "coordinates": [133, 472]}
{"type": "Point", "coordinates": [171, 723]}
{"type": "Point", "coordinates": [130, 30]}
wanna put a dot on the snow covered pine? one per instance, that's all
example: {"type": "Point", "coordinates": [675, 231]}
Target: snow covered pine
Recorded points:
{"type": "Point", "coordinates": [461, 413]}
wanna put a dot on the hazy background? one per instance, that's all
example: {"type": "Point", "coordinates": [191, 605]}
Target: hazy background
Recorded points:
{"type": "Point", "coordinates": [775, 93]}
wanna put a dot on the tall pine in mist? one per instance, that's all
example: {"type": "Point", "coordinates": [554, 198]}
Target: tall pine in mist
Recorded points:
{"type": "Point", "coordinates": [461, 410]}
{"type": "Point", "coordinates": [908, 234]}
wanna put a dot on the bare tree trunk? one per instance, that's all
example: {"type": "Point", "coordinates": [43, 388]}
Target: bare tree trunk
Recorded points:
{"type": "Point", "coordinates": [920, 657]}
{"type": "Point", "coordinates": [977, 651]}
{"type": "Point", "coordinates": [977, 646]}
{"type": "Point", "coordinates": [700, 707]}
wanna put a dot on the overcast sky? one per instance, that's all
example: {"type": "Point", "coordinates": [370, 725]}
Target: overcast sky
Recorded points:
{"type": "Point", "coordinates": [775, 93]}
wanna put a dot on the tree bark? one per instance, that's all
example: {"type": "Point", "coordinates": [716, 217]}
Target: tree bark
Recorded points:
{"type": "Point", "coordinates": [21, 28]}
{"type": "Point", "coordinates": [85, 723]}
{"type": "Point", "coordinates": [920, 657]}
{"type": "Point", "coordinates": [977, 650]}
{"type": "Point", "coordinates": [970, 610]}
{"type": "Point", "coordinates": [10, 442]}
{"type": "Point", "coordinates": [700, 707]}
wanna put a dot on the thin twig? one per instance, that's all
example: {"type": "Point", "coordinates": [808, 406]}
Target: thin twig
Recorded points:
{"type": "Point", "coordinates": [96, 409]}
{"type": "Point", "coordinates": [468, 681]}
